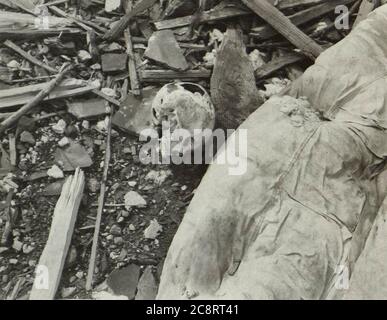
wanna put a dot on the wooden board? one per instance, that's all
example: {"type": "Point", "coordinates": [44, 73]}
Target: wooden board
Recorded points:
{"type": "Point", "coordinates": [22, 95]}
{"type": "Point", "coordinates": [285, 27]}
{"type": "Point", "coordinates": [299, 18]}
{"type": "Point", "coordinates": [53, 258]}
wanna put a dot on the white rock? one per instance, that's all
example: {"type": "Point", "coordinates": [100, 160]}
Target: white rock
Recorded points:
{"type": "Point", "coordinates": [85, 124]}
{"type": "Point", "coordinates": [84, 55]}
{"type": "Point", "coordinates": [28, 249]}
{"type": "Point", "coordinates": [133, 199]}
{"type": "Point", "coordinates": [13, 64]}
{"type": "Point", "coordinates": [55, 172]}
{"type": "Point", "coordinates": [158, 177]}
{"type": "Point", "coordinates": [153, 230]}
{"type": "Point", "coordinates": [17, 245]}
{"type": "Point", "coordinates": [59, 127]}
{"type": "Point", "coordinates": [63, 142]}
{"type": "Point", "coordinates": [96, 66]}
{"type": "Point", "coordinates": [109, 92]}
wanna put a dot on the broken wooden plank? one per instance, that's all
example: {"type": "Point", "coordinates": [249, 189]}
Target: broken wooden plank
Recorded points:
{"type": "Point", "coordinates": [86, 25]}
{"type": "Point", "coordinates": [277, 64]}
{"type": "Point", "coordinates": [170, 75]}
{"type": "Point", "coordinates": [53, 258]}
{"type": "Point", "coordinates": [120, 26]}
{"type": "Point", "coordinates": [12, 149]}
{"type": "Point", "coordinates": [111, 5]}
{"type": "Point", "coordinates": [133, 76]}
{"type": "Point", "coordinates": [164, 49]}
{"type": "Point", "coordinates": [39, 98]}
{"type": "Point", "coordinates": [265, 32]}
{"type": "Point", "coordinates": [285, 27]}
{"type": "Point", "coordinates": [28, 57]}
{"type": "Point", "coordinates": [101, 201]}
{"type": "Point", "coordinates": [21, 95]}
{"type": "Point", "coordinates": [35, 34]}
{"type": "Point", "coordinates": [207, 16]}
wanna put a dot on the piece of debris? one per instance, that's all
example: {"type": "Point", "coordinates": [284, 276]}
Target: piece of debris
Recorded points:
{"type": "Point", "coordinates": [133, 199]}
{"type": "Point", "coordinates": [55, 172]}
{"type": "Point", "coordinates": [91, 108]}
{"type": "Point", "coordinates": [158, 177]}
{"type": "Point", "coordinates": [59, 239]}
{"type": "Point", "coordinates": [124, 281]}
{"type": "Point", "coordinates": [147, 286]}
{"type": "Point", "coordinates": [114, 62]}
{"type": "Point", "coordinates": [59, 127]}
{"type": "Point", "coordinates": [153, 230]}
{"type": "Point", "coordinates": [164, 49]}
{"type": "Point", "coordinates": [135, 114]}
{"type": "Point", "coordinates": [73, 156]}
{"type": "Point", "coordinates": [63, 142]}
{"type": "Point", "coordinates": [27, 137]}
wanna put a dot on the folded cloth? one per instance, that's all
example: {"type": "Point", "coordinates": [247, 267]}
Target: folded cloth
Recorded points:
{"type": "Point", "coordinates": [307, 201]}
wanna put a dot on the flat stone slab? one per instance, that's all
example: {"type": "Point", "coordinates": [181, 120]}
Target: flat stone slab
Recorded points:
{"type": "Point", "coordinates": [164, 49]}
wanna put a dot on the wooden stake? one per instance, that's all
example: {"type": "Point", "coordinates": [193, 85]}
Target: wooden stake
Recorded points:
{"type": "Point", "coordinates": [133, 76]}
{"type": "Point", "coordinates": [285, 27]}
{"type": "Point", "coordinates": [39, 98]}
{"type": "Point", "coordinates": [52, 260]}
{"type": "Point", "coordinates": [120, 26]}
{"type": "Point", "coordinates": [101, 201]}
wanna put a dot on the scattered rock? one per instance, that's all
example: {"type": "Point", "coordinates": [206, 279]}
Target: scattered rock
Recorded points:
{"type": "Point", "coordinates": [115, 230]}
{"type": "Point", "coordinates": [135, 113]}
{"type": "Point", "coordinates": [27, 137]}
{"type": "Point", "coordinates": [59, 127]}
{"type": "Point", "coordinates": [63, 142]}
{"type": "Point", "coordinates": [17, 245]}
{"type": "Point", "coordinates": [124, 281]}
{"type": "Point", "coordinates": [118, 240]}
{"type": "Point", "coordinates": [158, 177]}
{"type": "Point", "coordinates": [133, 199]}
{"type": "Point", "coordinates": [93, 185]}
{"type": "Point", "coordinates": [55, 172]}
{"type": "Point", "coordinates": [84, 56]}
{"type": "Point", "coordinates": [153, 230]}
{"type": "Point", "coordinates": [73, 156]}
{"type": "Point", "coordinates": [28, 248]}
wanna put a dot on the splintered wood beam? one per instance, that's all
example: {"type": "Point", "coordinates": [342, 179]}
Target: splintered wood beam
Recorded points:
{"type": "Point", "coordinates": [207, 16]}
{"type": "Point", "coordinates": [101, 202]}
{"type": "Point", "coordinates": [52, 260]}
{"type": "Point", "coordinates": [277, 64]}
{"type": "Point", "coordinates": [28, 57]}
{"type": "Point", "coordinates": [158, 76]}
{"type": "Point", "coordinates": [21, 95]}
{"type": "Point", "coordinates": [285, 27]}
{"type": "Point", "coordinates": [36, 100]}
{"type": "Point", "coordinates": [265, 32]}
{"type": "Point", "coordinates": [120, 26]}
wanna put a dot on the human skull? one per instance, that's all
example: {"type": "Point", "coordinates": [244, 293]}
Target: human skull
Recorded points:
{"type": "Point", "coordinates": [186, 106]}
